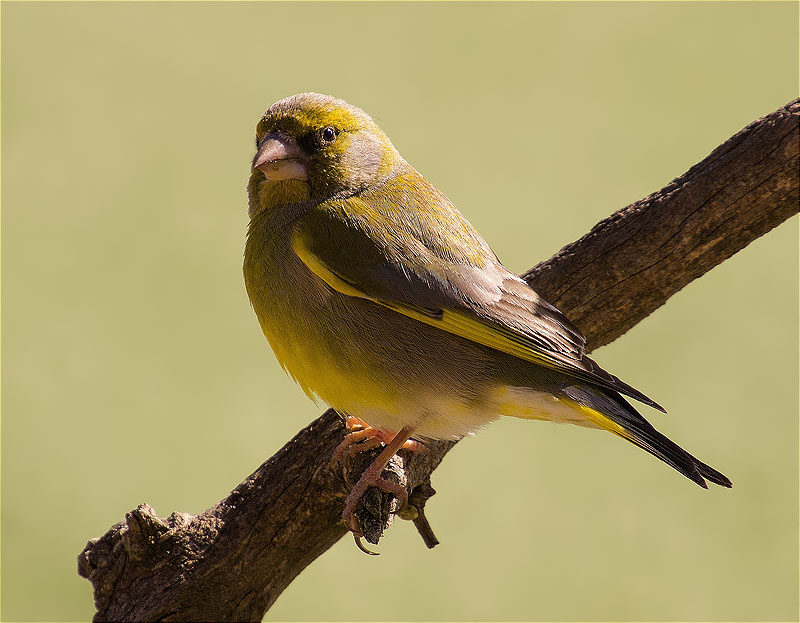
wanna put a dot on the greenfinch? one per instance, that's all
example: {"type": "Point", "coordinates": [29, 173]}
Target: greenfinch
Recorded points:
{"type": "Point", "coordinates": [379, 298]}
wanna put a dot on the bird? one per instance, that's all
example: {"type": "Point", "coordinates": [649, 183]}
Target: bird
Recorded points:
{"type": "Point", "coordinates": [380, 299]}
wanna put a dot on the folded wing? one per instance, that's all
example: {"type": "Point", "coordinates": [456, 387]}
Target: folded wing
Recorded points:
{"type": "Point", "coordinates": [445, 276]}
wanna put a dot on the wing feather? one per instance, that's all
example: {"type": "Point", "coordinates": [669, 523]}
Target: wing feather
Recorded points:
{"type": "Point", "coordinates": [392, 258]}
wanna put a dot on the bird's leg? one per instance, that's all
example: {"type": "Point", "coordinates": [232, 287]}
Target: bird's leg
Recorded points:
{"type": "Point", "coordinates": [363, 437]}
{"type": "Point", "coordinates": [372, 478]}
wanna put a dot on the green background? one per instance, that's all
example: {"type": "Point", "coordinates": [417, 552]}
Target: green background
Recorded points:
{"type": "Point", "coordinates": [134, 369]}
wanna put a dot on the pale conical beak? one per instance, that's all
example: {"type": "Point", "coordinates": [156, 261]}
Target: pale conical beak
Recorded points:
{"type": "Point", "coordinates": [280, 158]}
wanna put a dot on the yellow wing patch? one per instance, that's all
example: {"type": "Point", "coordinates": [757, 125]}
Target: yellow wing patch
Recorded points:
{"type": "Point", "coordinates": [473, 329]}
{"type": "Point", "coordinates": [452, 321]}
{"type": "Point", "coordinates": [453, 315]}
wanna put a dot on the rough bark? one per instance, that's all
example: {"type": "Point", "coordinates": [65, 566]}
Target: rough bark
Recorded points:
{"type": "Point", "coordinates": [629, 264]}
{"type": "Point", "coordinates": [233, 561]}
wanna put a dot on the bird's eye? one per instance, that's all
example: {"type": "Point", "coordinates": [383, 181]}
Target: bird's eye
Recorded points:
{"type": "Point", "coordinates": [329, 134]}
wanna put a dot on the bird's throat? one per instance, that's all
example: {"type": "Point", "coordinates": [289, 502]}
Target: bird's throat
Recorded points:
{"type": "Point", "coordinates": [269, 196]}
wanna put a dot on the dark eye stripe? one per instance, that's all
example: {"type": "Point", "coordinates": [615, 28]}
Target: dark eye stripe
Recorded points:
{"type": "Point", "coordinates": [308, 142]}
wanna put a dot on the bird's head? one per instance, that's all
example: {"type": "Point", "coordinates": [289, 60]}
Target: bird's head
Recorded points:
{"type": "Point", "coordinates": [312, 146]}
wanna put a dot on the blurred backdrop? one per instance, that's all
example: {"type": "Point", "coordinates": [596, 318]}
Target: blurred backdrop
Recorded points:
{"type": "Point", "coordinates": [134, 369]}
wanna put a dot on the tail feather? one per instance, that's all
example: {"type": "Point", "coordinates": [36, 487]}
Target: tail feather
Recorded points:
{"type": "Point", "coordinates": [713, 475]}
{"type": "Point", "coordinates": [672, 454]}
{"type": "Point", "coordinates": [613, 413]}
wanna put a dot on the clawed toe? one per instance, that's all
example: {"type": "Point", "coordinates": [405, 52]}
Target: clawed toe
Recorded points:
{"type": "Point", "coordinates": [372, 475]}
{"type": "Point", "coordinates": [360, 488]}
{"type": "Point", "coordinates": [355, 442]}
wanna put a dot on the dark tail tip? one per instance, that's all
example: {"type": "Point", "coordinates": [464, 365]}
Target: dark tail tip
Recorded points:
{"type": "Point", "coordinates": [713, 475]}
{"type": "Point", "coordinates": [697, 471]}
{"type": "Point", "coordinates": [641, 432]}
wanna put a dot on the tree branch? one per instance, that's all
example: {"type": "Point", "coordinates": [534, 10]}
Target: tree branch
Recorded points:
{"type": "Point", "coordinates": [234, 560]}
{"type": "Point", "coordinates": [629, 264]}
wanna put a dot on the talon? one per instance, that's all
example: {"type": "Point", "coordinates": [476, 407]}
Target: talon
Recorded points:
{"type": "Point", "coordinates": [363, 547]}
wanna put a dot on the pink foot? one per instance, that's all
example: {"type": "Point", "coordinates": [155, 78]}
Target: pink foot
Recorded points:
{"type": "Point", "coordinates": [359, 440]}
{"type": "Point", "coordinates": [362, 438]}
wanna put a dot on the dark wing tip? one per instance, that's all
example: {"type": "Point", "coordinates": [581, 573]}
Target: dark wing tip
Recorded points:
{"type": "Point", "coordinates": [634, 393]}
{"type": "Point", "coordinates": [657, 406]}
{"type": "Point", "coordinates": [590, 368]}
